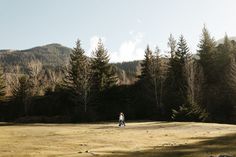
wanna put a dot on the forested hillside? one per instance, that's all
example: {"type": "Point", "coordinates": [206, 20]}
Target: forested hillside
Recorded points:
{"type": "Point", "coordinates": [53, 83]}
{"type": "Point", "coordinates": [53, 55]}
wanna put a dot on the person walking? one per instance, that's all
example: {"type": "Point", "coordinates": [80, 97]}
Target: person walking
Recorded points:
{"type": "Point", "coordinates": [121, 119]}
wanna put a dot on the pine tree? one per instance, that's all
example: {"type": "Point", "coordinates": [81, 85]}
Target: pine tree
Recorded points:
{"type": "Point", "coordinates": [147, 65]}
{"type": "Point", "coordinates": [157, 77]}
{"type": "Point", "coordinates": [22, 94]}
{"type": "Point", "coordinates": [182, 56]}
{"type": "Point", "coordinates": [78, 78]}
{"type": "Point", "coordinates": [230, 79]}
{"type": "Point", "coordinates": [150, 81]}
{"type": "Point", "coordinates": [145, 95]}
{"type": "Point", "coordinates": [2, 85]}
{"type": "Point", "coordinates": [189, 110]}
{"type": "Point", "coordinates": [209, 89]}
{"type": "Point", "coordinates": [225, 71]}
{"type": "Point", "coordinates": [182, 52]}
{"type": "Point", "coordinates": [207, 49]}
{"type": "Point", "coordinates": [103, 73]}
{"type": "Point", "coordinates": [176, 92]}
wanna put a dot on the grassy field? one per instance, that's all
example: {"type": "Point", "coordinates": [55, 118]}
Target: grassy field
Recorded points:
{"type": "Point", "coordinates": [155, 139]}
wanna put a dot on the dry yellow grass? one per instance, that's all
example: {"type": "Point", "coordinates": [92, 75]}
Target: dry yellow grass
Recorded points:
{"type": "Point", "coordinates": [136, 139]}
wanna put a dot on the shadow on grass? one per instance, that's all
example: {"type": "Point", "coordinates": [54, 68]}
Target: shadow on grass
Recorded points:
{"type": "Point", "coordinates": [2, 124]}
{"type": "Point", "coordinates": [206, 148]}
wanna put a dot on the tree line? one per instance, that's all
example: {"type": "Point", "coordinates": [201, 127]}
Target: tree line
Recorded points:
{"type": "Point", "coordinates": [181, 87]}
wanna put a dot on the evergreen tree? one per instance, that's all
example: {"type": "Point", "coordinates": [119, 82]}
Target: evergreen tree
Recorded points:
{"type": "Point", "coordinates": [207, 49]}
{"type": "Point", "coordinates": [22, 94]}
{"type": "Point", "coordinates": [146, 96]}
{"type": "Point", "coordinates": [209, 89]}
{"type": "Point", "coordinates": [182, 57]}
{"type": "Point", "coordinates": [225, 70]}
{"type": "Point", "coordinates": [150, 81]}
{"type": "Point", "coordinates": [182, 52]}
{"type": "Point", "coordinates": [103, 73]}
{"type": "Point", "coordinates": [176, 84]}
{"type": "Point", "coordinates": [78, 78]}
{"type": "Point", "coordinates": [2, 85]}
{"type": "Point", "coordinates": [147, 65]}
{"type": "Point", "coordinates": [103, 79]}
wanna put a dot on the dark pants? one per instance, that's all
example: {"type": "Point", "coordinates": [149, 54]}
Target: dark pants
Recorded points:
{"type": "Point", "coordinates": [121, 122]}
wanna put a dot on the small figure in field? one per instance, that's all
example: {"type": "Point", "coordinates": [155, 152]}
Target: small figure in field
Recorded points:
{"type": "Point", "coordinates": [121, 120]}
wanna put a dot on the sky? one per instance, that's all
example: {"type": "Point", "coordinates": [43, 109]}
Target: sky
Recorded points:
{"type": "Point", "coordinates": [125, 26]}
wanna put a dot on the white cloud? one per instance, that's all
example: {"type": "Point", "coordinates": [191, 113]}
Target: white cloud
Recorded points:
{"type": "Point", "coordinates": [129, 50]}
{"type": "Point", "coordinates": [128, 47]}
{"type": "Point", "coordinates": [139, 53]}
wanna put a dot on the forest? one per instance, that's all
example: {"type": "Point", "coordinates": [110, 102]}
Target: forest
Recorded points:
{"type": "Point", "coordinates": [72, 87]}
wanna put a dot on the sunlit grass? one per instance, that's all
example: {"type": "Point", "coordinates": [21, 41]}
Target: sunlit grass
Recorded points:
{"type": "Point", "coordinates": [162, 139]}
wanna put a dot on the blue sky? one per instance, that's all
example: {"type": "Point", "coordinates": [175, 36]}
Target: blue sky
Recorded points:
{"type": "Point", "coordinates": [125, 26]}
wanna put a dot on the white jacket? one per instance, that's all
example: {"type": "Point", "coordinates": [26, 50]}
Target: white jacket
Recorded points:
{"type": "Point", "coordinates": [122, 118]}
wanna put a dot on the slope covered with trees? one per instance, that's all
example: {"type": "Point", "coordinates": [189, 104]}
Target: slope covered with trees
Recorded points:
{"type": "Point", "coordinates": [57, 84]}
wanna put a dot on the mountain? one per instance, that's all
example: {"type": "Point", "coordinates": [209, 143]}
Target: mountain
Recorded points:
{"type": "Point", "coordinates": [52, 55]}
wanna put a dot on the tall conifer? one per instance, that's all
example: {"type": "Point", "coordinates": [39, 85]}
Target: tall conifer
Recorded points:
{"type": "Point", "coordinates": [103, 73]}
{"type": "Point", "coordinates": [176, 83]}
{"type": "Point", "coordinates": [79, 77]}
